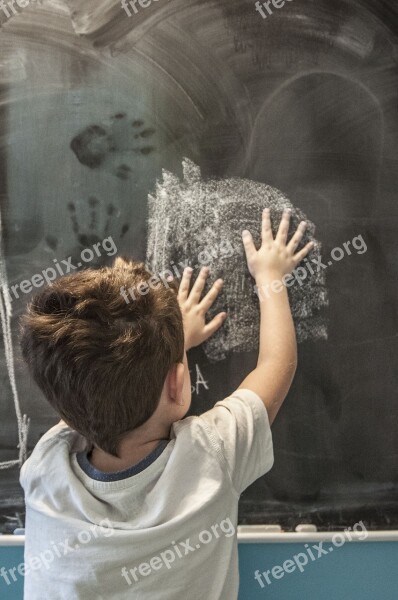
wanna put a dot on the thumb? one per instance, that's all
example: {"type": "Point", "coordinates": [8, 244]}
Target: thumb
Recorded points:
{"type": "Point", "coordinates": [214, 325]}
{"type": "Point", "coordinates": [248, 244]}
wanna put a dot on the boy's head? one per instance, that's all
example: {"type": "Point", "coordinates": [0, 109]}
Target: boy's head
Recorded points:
{"type": "Point", "coordinates": [103, 364]}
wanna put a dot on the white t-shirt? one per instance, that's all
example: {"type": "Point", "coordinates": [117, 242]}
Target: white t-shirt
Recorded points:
{"type": "Point", "coordinates": [167, 532]}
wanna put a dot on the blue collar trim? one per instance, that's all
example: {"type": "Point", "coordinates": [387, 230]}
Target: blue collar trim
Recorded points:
{"type": "Point", "coordinates": [87, 467]}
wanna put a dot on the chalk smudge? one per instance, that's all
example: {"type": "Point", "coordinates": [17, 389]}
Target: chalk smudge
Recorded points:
{"type": "Point", "coordinates": [5, 317]}
{"type": "Point", "coordinates": [187, 216]}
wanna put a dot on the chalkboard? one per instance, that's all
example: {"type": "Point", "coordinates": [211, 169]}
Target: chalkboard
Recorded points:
{"type": "Point", "coordinates": [97, 105]}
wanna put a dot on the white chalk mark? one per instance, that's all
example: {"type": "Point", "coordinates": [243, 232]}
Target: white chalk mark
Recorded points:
{"type": "Point", "coordinates": [5, 317]}
{"type": "Point", "coordinates": [188, 216]}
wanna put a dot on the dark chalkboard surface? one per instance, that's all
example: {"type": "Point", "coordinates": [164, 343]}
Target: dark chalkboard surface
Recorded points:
{"type": "Point", "coordinates": [94, 106]}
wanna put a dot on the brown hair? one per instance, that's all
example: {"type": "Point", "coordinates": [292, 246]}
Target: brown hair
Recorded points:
{"type": "Point", "coordinates": [100, 361]}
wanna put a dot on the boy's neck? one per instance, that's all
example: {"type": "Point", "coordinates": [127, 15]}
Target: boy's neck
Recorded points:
{"type": "Point", "coordinates": [131, 451]}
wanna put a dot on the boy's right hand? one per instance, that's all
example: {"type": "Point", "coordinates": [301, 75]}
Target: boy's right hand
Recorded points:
{"type": "Point", "coordinates": [277, 356]}
{"type": "Point", "coordinates": [276, 257]}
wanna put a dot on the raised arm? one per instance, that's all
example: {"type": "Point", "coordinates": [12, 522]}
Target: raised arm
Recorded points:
{"type": "Point", "coordinates": [271, 266]}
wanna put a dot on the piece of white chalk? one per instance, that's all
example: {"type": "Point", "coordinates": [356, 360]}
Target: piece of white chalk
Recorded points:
{"type": "Point", "coordinates": [260, 529]}
{"type": "Point", "coordinates": [306, 528]}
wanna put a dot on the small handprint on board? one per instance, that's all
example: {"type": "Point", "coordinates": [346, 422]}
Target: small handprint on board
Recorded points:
{"type": "Point", "coordinates": [102, 223]}
{"type": "Point", "coordinates": [114, 147]}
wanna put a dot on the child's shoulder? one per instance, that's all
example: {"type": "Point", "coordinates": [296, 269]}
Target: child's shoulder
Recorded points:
{"type": "Point", "coordinates": [53, 447]}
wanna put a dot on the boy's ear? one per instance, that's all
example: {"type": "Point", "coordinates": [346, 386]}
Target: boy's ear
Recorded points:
{"type": "Point", "coordinates": [176, 383]}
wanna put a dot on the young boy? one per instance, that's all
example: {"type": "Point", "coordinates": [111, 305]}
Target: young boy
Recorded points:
{"type": "Point", "coordinates": [125, 498]}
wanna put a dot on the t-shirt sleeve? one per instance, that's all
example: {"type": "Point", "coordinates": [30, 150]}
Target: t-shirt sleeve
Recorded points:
{"type": "Point", "coordinates": [240, 426]}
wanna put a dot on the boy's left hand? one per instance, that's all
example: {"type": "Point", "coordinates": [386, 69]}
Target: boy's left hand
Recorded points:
{"type": "Point", "coordinates": [194, 309]}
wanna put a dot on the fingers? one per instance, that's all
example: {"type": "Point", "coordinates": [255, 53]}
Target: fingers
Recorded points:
{"type": "Point", "coordinates": [283, 230]}
{"type": "Point", "coordinates": [183, 290]}
{"type": "Point", "coordinates": [266, 230]}
{"type": "Point", "coordinates": [199, 285]}
{"type": "Point", "coordinates": [214, 325]}
{"type": "Point", "coordinates": [197, 289]}
{"type": "Point", "coordinates": [211, 295]}
{"type": "Point", "coordinates": [303, 253]}
{"type": "Point", "coordinates": [298, 236]}
{"type": "Point", "coordinates": [248, 244]}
